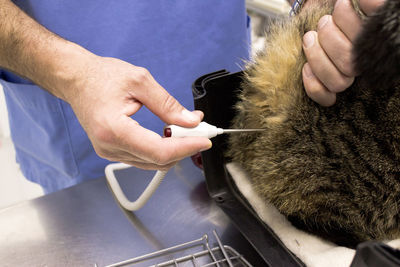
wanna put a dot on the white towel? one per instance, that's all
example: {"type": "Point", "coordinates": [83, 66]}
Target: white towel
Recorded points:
{"type": "Point", "coordinates": [312, 250]}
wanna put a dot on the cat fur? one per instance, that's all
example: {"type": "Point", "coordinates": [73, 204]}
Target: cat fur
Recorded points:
{"type": "Point", "coordinates": [333, 171]}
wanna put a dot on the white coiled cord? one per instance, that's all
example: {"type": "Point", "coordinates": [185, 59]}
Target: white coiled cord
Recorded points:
{"type": "Point", "coordinates": [119, 194]}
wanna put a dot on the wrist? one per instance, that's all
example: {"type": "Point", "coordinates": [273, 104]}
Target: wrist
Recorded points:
{"type": "Point", "coordinates": [67, 68]}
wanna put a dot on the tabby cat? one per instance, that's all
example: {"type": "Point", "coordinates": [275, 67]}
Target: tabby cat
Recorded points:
{"type": "Point", "coordinates": [333, 171]}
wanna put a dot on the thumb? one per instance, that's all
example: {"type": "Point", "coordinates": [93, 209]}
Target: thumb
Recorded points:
{"type": "Point", "coordinates": [163, 105]}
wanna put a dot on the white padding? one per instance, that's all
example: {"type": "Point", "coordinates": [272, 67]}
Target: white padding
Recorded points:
{"type": "Point", "coordinates": [312, 250]}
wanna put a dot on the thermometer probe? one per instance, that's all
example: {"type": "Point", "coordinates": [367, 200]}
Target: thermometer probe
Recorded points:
{"type": "Point", "coordinates": [202, 130]}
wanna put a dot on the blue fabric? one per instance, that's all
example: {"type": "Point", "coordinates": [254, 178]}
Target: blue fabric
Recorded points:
{"type": "Point", "coordinates": [177, 41]}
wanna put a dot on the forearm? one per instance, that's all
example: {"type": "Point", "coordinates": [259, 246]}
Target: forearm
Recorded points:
{"type": "Point", "coordinates": [30, 50]}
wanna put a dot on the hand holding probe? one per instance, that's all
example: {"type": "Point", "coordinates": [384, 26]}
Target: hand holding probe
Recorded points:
{"type": "Point", "coordinates": [202, 130]}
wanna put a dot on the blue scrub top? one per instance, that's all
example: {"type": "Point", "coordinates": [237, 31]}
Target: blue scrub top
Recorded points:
{"type": "Point", "coordinates": [177, 41]}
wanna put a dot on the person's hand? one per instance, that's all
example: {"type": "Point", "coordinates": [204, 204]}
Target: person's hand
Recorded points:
{"type": "Point", "coordinates": [103, 92]}
{"type": "Point", "coordinates": [329, 68]}
{"type": "Point", "coordinates": [110, 92]}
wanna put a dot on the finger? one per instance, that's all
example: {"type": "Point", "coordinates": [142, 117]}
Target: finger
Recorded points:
{"type": "Point", "coordinates": [154, 149]}
{"type": "Point", "coordinates": [369, 7]}
{"type": "Point", "coordinates": [131, 159]}
{"type": "Point", "coordinates": [160, 102]}
{"type": "Point", "coordinates": [150, 166]}
{"type": "Point", "coordinates": [123, 156]}
{"type": "Point", "coordinates": [322, 66]}
{"type": "Point", "coordinates": [315, 89]}
{"type": "Point", "coordinates": [114, 153]}
{"type": "Point", "coordinates": [336, 45]}
{"type": "Point", "coordinates": [346, 19]}
{"type": "Point", "coordinates": [199, 113]}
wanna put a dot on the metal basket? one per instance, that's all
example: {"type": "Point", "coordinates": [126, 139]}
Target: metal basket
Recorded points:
{"type": "Point", "coordinates": [199, 253]}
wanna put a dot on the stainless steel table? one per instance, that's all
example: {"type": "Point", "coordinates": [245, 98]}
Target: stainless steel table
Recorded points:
{"type": "Point", "coordinates": [84, 226]}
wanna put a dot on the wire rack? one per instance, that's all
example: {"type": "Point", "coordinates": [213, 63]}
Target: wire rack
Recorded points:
{"type": "Point", "coordinates": [200, 254]}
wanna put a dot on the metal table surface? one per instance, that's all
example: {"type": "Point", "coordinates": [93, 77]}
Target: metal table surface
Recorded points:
{"type": "Point", "coordinates": [83, 225]}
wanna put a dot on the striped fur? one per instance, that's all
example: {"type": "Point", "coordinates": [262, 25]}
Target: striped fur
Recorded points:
{"type": "Point", "coordinates": [332, 171]}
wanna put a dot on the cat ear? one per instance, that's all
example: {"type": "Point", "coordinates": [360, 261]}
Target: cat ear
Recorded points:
{"type": "Point", "coordinates": [377, 48]}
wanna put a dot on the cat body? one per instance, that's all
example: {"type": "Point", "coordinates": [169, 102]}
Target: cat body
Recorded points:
{"type": "Point", "coordinates": [333, 171]}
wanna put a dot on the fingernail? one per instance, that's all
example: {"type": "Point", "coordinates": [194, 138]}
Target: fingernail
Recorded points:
{"type": "Point", "coordinates": [207, 148]}
{"type": "Point", "coordinates": [322, 22]}
{"type": "Point", "coordinates": [338, 2]}
{"type": "Point", "coordinates": [308, 39]}
{"type": "Point", "coordinates": [189, 115]}
{"type": "Point", "coordinates": [307, 71]}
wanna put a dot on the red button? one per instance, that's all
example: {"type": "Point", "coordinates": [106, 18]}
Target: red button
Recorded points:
{"type": "Point", "coordinates": [167, 132]}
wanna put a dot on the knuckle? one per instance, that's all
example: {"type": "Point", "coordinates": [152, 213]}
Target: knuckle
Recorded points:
{"type": "Point", "coordinates": [310, 82]}
{"type": "Point", "coordinates": [347, 65]}
{"type": "Point", "coordinates": [328, 101]}
{"type": "Point", "coordinates": [314, 54]}
{"type": "Point", "coordinates": [312, 90]}
{"type": "Point", "coordinates": [328, 32]}
{"type": "Point", "coordinates": [344, 63]}
{"type": "Point", "coordinates": [341, 84]}
{"type": "Point", "coordinates": [141, 75]}
{"type": "Point", "coordinates": [321, 96]}
{"type": "Point", "coordinates": [169, 103]}
{"type": "Point", "coordinates": [310, 54]}
{"type": "Point", "coordinates": [162, 158]}
{"type": "Point", "coordinates": [347, 69]}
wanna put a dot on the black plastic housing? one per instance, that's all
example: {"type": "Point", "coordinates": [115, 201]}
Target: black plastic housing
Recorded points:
{"type": "Point", "coordinates": [375, 254]}
{"type": "Point", "coordinates": [215, 94]}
